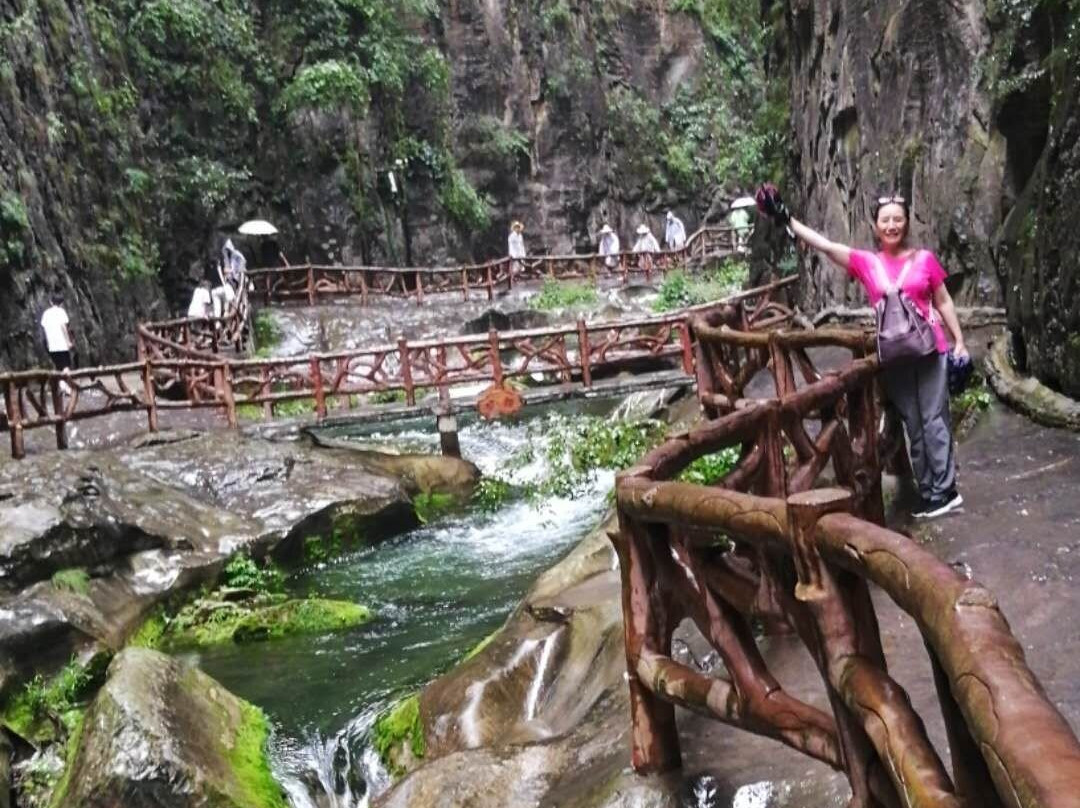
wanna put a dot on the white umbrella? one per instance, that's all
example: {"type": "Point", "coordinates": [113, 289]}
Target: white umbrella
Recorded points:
{"type": "Point", "coordinates": [257, 227]}
{"type": "Point", "coordinates": [741, 202]}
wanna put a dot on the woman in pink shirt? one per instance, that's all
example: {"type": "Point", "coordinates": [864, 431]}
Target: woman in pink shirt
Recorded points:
{"type": "Point", "coordinates": [918, 389]}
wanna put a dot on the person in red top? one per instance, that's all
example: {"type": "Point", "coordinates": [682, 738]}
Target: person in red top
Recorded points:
{"type": "Point", "coordinates": [918, 389]}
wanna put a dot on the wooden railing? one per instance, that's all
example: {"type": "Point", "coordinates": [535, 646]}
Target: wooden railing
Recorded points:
{"type": "Point", "coordinates": [177, 370]}
{"type": "Point", "coordinates": [763, 543]}
{"type": "Point", "coordinates": [310, 283]}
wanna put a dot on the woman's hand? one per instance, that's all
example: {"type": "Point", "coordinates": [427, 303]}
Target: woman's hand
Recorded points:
{"type": "Point", "coordinates": [960, 350]}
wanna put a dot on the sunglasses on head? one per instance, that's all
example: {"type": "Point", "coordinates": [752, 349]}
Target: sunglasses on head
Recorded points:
{"type": "Point", "coordinates": [887, 200]}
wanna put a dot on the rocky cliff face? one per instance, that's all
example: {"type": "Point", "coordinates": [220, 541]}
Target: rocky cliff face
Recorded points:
{"type": "Point", "coordinates": [1040, 240]}
{"type": "Point", "coordinates": [889, 97]}
{"type": "Point", "coordinates": [134, 136]}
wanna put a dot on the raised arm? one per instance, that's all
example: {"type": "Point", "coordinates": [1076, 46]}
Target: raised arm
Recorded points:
{"type": "Point", "coordinates": [839, 254]}
{"type": "Point", "coordinates": [771, 204]}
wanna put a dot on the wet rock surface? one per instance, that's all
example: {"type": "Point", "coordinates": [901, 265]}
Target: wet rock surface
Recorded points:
{"type": "Point", "coordinates": [147, 521]}
{"type": "Point", "coordinates": [161, 733]}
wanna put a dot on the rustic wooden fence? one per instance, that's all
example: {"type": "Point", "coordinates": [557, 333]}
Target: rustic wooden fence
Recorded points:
{"type": "Point", "coordinates": [310, 283]}
{"type": "Point", "coordinates": [804, 557]}
{"type": "Point", "coordinates": [179, 369]}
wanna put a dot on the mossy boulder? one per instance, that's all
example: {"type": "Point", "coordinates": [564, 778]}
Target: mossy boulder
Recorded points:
{"type": "Point", "coordinates": [398, 736]}
{"type": "Point", "coordinates": [213, 622]}
{"type": "Point", "coordinates": [162, 734]}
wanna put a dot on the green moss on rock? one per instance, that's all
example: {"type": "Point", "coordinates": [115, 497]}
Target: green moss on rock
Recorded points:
{"type": "Point", "coordinates": [75, 580]}
{"type": "Point", "coordinates": [249, 761]}
{"type": "Point", "coordinates": [399, 733]}
{"type": "Point", "coordinates": [206, 623]}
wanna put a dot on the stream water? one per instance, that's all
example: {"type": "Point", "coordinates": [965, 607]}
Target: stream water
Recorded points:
{"type": "Point", "coordinates": [436, 591]}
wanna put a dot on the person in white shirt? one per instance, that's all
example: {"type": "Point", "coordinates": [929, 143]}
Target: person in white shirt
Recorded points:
{"type": "Point", "coordinates": [739, 219]}
{"type": "Point", "coordinates": [609, 246]}
{"type": "Point", "coordinates": [515, 244]}
{"type": "Point", "coordinates": [58, 341]}
{"type": "Point", "coordinates": [674, 233]}
{"type": "Point", "coordinates": [201, 306]}
{"type": "Point", "coordinates": [645, 246]}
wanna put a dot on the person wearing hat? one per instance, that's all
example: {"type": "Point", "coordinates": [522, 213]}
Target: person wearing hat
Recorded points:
{"type": "Point", "coordinates": [645, 246]}
{"type": "Point", "coordinates": [609, 246]}
{"type": "Point", "coordinates": [674, 232]}
{"type": "Point", "coordinates": [515, 244]}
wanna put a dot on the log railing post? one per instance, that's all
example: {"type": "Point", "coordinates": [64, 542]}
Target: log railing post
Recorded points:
{"type": "Point", "coordinates": [311, 285]}
{"type": "Point", "coordinates": [225, 391]}
{"type": "Point", "coordinates": [654, 738]}
{"type": "Point", "coordinates": [496, 358]}
{"type": "Point", "coordinates": [490, 283]}
{"type": "Point", "coordinates": [266, 389]}
{"type": "Point", "coordinates": [419, 288]}
{"type": "Point", "coordinates": [150, 395]}
{"type": "Point", "coordinates": [687, 342]}
{"type": "Point", "coordinates": [583, 351]}
{"type": "Point", "coordinates": [406, 370]}
{"type": "Point", "coordinates": [444, 390]}
{"type": "Point", "coordinates": [363, 288]}
{"type": "Point", "coordinates": [317, 387]}
{"type": "Point", "coordinates": [464, 284]}
{"type": "Point", "coordinates": [60, 413]}
{"type": "Point", "coordinates": [816, 588]}
{"type": "Point", "coordinates": [14, 419]}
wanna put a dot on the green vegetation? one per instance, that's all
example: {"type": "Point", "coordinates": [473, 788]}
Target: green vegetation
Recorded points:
{"type": "Point", "coordinates": [679, 290]}
{"type": "Point", "coordinates": [480, 646]}
{"type": "Point", "coordinates": [44, 711]}
{"type": "Point", "coordinates": [151, 633]}
{"type": "Point", "coordinates": [14, 227]}
{"type": "Point", "coordinates": [75, 580]}
{"type": "Point", "coordinates": [561, 295]}
{"type": "Point", "coordinates": [209, 621]}
{"type": "Point", "coordinates": [71, 748]}
{"type": "Point", "coordinates": [244, 573]}
{"type": "Point", "coordinates": [250, 764]}
{"type": "Point", "coordinates": [712, 467]}
{"type": "Point", "coordinates": [266, 332]}
{"type": "Point", "coordinates": [578, 447]}
{"type": "Point", "coordinates": [387, 397]}
{"type": "Point", "coordinates": [396, 728]}
{"type": "Point", "coordinates": [491, 493]}
{"type": "Point", "coordinates": [432, 505]}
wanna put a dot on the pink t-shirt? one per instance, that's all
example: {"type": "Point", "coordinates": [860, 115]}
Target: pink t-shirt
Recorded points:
{"type": "Point", "coordinates": [922, 280]}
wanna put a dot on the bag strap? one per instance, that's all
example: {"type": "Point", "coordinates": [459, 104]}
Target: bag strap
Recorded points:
{"type": "Point", "coordinates": [883, 276]}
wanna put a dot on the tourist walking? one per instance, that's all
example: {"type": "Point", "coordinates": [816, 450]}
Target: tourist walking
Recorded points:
{"type": "Point", "coordinates": [58, 341]}
{"type": "Point", "coordinates": [645, 246]}
{"type": "Point", "coordinates": [235, 264]}
{"type": "Point", "coordinates": [739, 220]}
{"type": "Point", "coordinates": [515, 245]}
{"type": "Point", "coordinates": [201, 306]}
{"type": "Point", "coordinates": [609, 246]}
{"type": "Point", "coordinates": [898, 276]}
{"type": "Point", "coordinates": [674, 232]}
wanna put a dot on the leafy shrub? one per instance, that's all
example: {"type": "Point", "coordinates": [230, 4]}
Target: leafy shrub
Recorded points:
{"type": "Point", "coordinates": [491, 493]}
{"type": "Point", "coordinates": [462, 202]}
{"type": "Point", "coordinates": [709, 468]}
{"type": "Point", "coordinates": [244, 573]}
{"type": "Point", "coordinates": [330, 85]}
{"type": "Point", "coordinates": [560, 295]}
